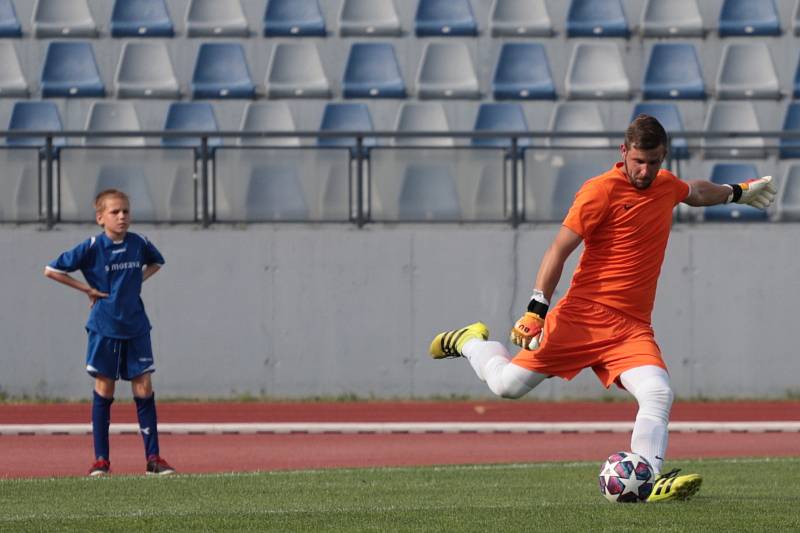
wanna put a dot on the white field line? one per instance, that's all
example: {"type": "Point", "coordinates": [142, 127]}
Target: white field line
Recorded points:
{"type": "Point", "coordinates": [399, 427]}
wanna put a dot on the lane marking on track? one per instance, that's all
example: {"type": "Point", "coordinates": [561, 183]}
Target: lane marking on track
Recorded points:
{"type": "Point", "coordinates": [252, 428]}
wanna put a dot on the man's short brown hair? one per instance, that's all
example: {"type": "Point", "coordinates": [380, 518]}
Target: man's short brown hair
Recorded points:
{"type": "Point", "coordinates": [100, 199]}
{"type": "Point", "coordinates": [645, 133]}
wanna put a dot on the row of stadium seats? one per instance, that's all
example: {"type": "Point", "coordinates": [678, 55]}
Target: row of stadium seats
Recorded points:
{"type": "Point", "coordinates": [521, 71]}
{"type": "Point", "coordinates": [297, 18]}
{"type": "Point", "coordinates": [723, 117]}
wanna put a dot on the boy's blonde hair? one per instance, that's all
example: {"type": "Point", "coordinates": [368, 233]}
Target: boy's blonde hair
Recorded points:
{"type": "Point", "coordinates": [100, 199]}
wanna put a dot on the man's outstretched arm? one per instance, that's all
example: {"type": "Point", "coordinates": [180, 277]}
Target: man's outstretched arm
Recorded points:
{"type": "Point", "coordinates": [756, 192]}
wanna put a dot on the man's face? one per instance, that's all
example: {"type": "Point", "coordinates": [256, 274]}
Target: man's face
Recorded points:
{"type": "Point", "coordinates": [641, 166]}
{"type": "Point", "coordinates": [115, 217]}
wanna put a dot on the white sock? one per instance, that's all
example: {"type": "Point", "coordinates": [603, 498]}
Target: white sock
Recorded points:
{"type": "Point", "coordinates": [492, 363]}
{"type": "Point", "coordinates": [479, 352]}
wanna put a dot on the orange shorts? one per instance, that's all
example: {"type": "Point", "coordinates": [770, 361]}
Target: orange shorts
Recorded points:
{"type": "Point", "coordinates": [581, 334]}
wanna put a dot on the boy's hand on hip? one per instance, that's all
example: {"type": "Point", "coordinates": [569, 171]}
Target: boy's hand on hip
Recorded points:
{"type": "Point", "coordinates": [527, 331]}
{"type": "Point", "coordinates": [95, 295]}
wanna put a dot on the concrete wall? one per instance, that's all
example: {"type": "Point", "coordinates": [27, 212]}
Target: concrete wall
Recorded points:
{"type": "Point", "coordinates": [300, 311]}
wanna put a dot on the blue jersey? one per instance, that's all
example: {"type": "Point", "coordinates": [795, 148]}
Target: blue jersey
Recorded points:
{"type": "Point", "coordinates": [116, 269]}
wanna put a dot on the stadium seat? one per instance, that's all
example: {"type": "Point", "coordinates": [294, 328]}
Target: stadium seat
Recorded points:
{"type": "Point", "coordinates": [748, 17]}
{"type": "Point", "coordinates": [422, 116]}
{"type": "Point", "coordinates": [346, 117]}
{"type": "Point", "coordinates": [500, 117]}
{"type": "Point", "coordinates": [70, 71]}
{"type": "Point", "coordinates": [34, 116]}
{"type": "Point", "coordinates": [63, 18]}
{"type": "Point", "coordinates": [569, 177]}
{"type": "Point", "coordinates": [220, 71]}
{"type": "Point", "coordinates": [444, 17]}
{"type": "Point", "coordinates": [579, 117]}
{"type": "Point", "coordinates": [113, 116]}
{"type": "Point", "coordinates": [733, 173]}
{"type": "Point", "coordinates": [369, 18]}
{"type": "Point", "coordinates": [446, 71]}
{"type": "Point", "coordinates": [372, 71]}
{"type": "Point", "coordinates": [145, 71]}
{"type": "Point", "coordinates": [294, 18]}
{"type": "Point", "coordinates": [428, 192]}
{"type": "Point", "coordinates": [520, 18]}
{"type": "Point", "coordinates": [9, 24]}
{"type": "Point", "coordinates": [12, 80]}
{"type": "Point", "coordinates": [796, 85]}
{"type": "Point", "coordinates": [673, 71]}
{"type": "Point", "coordinates": [132, 180]}
{"type": "Point", "coordinates": [669, 117]}
{"type": "Point", "coordinates": [141, 18]}
{"type": "Point", "coordinates": [796, 19]}
{"type": "Point", "coordinates": [596, 18]}
{"type": "Point", "coordinates": [190, 116]}
{"type": "Point", "coordinates": [216, 18]}
{"type": "Point", "coordinates": [274, 193]}
{"type": "Point", "coordinates": [523, 73]}
{"type": "Point", "coordinates": [790, 148]}
{"type": "Point", "coordinates": [733, 117]}
{"type": "Point", "coordinates": [268, 116]}
{"type": "Point", "coordinates": [789, 199]}
{"type": "Point", "coordinates": [671, 18]}
{"type": "Point", "coordinates": [747, 71]}
{"type": "Point", "coordinates": [596, 71]}
{"type": "Point", "coordinates": [296, 71]}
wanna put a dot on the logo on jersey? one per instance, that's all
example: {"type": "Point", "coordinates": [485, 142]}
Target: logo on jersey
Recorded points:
{"type": "Point", "coordinates": [125, 265]}
{"type": "Point", "coordinates": [118, 251]}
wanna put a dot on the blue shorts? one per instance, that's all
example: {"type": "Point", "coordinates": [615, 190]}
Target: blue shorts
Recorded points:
{"type": "Point", "coordinates": [119, 358]}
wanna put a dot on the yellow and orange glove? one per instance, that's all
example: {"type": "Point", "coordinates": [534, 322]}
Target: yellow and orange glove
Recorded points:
{"type": "Point", "coordinates": [527, 331]}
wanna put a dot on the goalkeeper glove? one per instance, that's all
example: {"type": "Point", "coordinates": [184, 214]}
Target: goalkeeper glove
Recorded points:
{"type": "Point", "coordinates": [756, 192]}
{"type": "Point", "coordinates": [527, 331]}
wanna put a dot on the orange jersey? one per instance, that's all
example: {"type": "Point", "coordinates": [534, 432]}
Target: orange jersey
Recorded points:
{"type": "Point", "coordinates": [625, 232]}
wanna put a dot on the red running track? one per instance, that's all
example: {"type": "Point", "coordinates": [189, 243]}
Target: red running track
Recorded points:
{"type": "Point", "coordinates": [26, 456]}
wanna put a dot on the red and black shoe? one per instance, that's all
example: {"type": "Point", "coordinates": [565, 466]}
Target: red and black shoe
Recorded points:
{"type": "Point", "coordinates": [101, 467]}
{"type": "Point", "coordinates": [156, 466]}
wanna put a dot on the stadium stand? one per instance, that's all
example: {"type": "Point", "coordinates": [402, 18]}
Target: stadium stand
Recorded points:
{"type": "Point", "coordinates": [523, 72]}
{"type": "Point", "coordinates": [673, 71]}
{"type": "Point", "coordinates": [294, 18]}
{"type": "Point", "coordinates": [268, 116]}
{"type": "Point", "coordinates": [444, 18]}
{"type": "Point", "coordinates": [520, 18]}
{"type": "Point", "coordinates": [596, 18]}
{"type": "Point", "coordinates": [70, 71]}
{"type": "Point", "coordinates": [446, 71]}
{"type": "Point", "coordinates": [372, 71]}
{"type": "Point", "coordinates": [141, 18]}
{"type": "Point", "coordinates": [369, 18]}
{"type": "Point", "coordinates": [789, 199]}
{"type": "Point", "coordinates": [12, 80]}
{"type": "Point", "coordinates": [221, 71]}
{"type": "Point", "coordinates": [190, 116]}
{"type": "Point", "coordinates": [577, 117]}
{"type": "Point", "coordinates": [748, 18]}
{"type": "Point", "coordinates": [747, 71]}
{"type": "Point", "coordinates": [63, 18]}
{"type": "Point", "coordinates": [428, 192]}
{"type": "Point", "coordinates": [424, 116]}
{"type": "Point", "coordinates": [216, 18]}
{"type": "Point", "coordinates": [671, 18]}
{"type": "Point", "coordinates": [500, 117]}
{"type": "Point", "coordinates": [733, 117]}
{"type": "Point", "coordinates": [34, 116]}
{"type": "Point", "coordinates": [596, 70]}
{"type": "Point", "coordinates": [113, 116]}
{"type": "Point", "coordinates": [274, 193]}
{"type": "Point", "coordinates": [790, 148]}
{"type": "Point", "coordinates": [732, 173]}
{"type": "Point", "coordinates": [9, 24]}
{"type": "Point", "coordinates": [145, 71]}
{"type": "Point", "coordinates": [346, 117]}
{"type": "Point", "coordinates": [296, 71]}
{"type": "Point", "coordinates": [670, 117]}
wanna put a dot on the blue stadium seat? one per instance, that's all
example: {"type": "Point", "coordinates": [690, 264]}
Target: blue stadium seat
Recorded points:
{"type": "Point", "coordinates": [274, 193]}
{"type": "Point", "coordinates": [789, 199]}
{"type": "Point", "coordinates": [520, 18]}
{"type": "Point", "coordinates": [500, 117]}
{"type": "Point", "coordinates": [293, 18]}
{"type": "Point", "coordinates": [190, 116]}
{"type": "Point", "coordinates": [141, 18]}
{"type": "Point", "coordinates": [372, 71]}
{"type": "Point", "coordinates": [295, 71]}
{"type": "Point", "coordinates": [796, 84]}
{"type": "Point", "coordinates": [9, 24]}
{"type": "Point", "coordinates": [63, 18]}
{"type": "Point", "coordinates": [596, 70]}
{"type": "Point", "coordinates": [369, 18]}
{"type": "Point", "coordinates": [747, 71]}
{"type": "Point", "coordinates": [733, 173]}
{"type": "Point", "coordinates": [790, 148]}
{"type": "Point", "coordinates": [132, 180]}
{"type": "Point", "coordinates": [596, 18]}
{"type": "Point", "coordinates": [12, 79]}
{"type": "Point", "coordinates": [220, 71]}
{"type": "Point", "coordinates": [70, 71]}
{"type": "Point", "coordinates": [570, 176]}
{"type": "Point", "coordinates": [428, 192]}
{"type": "Point", "coordinates": [669, 117]}
{"type": "Point", "coordinates": [35, 116]}
{"type": "Point", "coordinates": [346, 117]}
{"type": "Point", "coordinates": [748, 17]}
{"type": "Point", "coordinates": [216, 18]}
{"type": "Point", "coordinates": [523, 73]}
{"type": "Point", "coordinates": [444, 17]}
{"type": "Point", "coordinates": [673, 71]}
{"type": "Point", "coordinates": [671, 18]}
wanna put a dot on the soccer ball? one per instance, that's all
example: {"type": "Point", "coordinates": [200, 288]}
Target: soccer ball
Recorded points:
{"type": "Point", "coordinates": [626, 477]}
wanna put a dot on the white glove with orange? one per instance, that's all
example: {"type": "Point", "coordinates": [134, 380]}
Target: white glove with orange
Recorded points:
{"type": "Point", "coordinates": [527, 331]}
{"type": "Point", "coordinates": [759, 192]}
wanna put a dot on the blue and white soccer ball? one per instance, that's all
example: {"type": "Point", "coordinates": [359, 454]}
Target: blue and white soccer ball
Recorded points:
{"type": "Point", "coordinates": [626, 477]}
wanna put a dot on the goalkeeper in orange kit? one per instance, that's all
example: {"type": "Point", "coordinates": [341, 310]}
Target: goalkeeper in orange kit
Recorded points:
{"type": "Point", "coordinates": [623, 217]}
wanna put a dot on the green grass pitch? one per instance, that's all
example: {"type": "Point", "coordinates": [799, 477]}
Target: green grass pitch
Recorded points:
{"type": "Point", "coordinates": [737, 495]}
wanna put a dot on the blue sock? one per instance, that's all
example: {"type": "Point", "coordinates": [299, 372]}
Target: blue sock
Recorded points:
{"type": "Point", "coordinates": [101, 419]}
{"type": "Point", "coordinates": [148, 423]}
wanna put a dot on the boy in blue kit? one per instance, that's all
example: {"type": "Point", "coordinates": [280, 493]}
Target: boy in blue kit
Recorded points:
{"type": "Point", "coordinates": [118, 328]}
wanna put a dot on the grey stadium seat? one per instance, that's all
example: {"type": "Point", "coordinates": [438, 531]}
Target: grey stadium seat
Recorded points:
{"type": "Point", "coordinates": [63, 18]}
{"type": "Point", "coordinates": [520, 18]}
{"type": "Point", "coordinates": [368, 17]}
{"type": "Point", "coordinates": [216, 18]}
{"type": "Point", "coordinates": [671, 18]}
{"type": "Point", "coordinates": [446, 71]}
{"type": "Point", "coordinates": [268, 116]}
{"type": "Point", "coordinates": [422, 116]}
{"type": "Point", "coordinates": [428, 192]}
{"type": "Point", "coordinates": [296, 71]}
{"type": "Point", "coordinates": [113, 116]}
{"type": "Point", "coordinates": [789, 199]}
{"type": "Point", "coordinates": [577, 116]}
{"type": "Point", "coordinates": [739, 117]}
{"type": "Point", "coordinates": [596, 70]}
{"type": "Point", "coordinates": [274, 193]}
{"type": "Point", "coordinates": [747, 71]}
{"type": "Point", "coordinates": [145, 71]}
{"type": "Point", "coordinates": [12, 80]}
